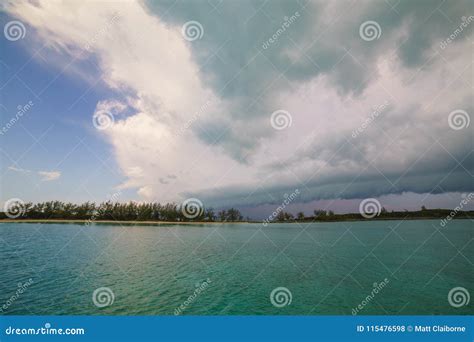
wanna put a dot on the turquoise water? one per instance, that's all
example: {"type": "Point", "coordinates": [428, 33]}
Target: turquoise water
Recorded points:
{"type": "Point", "coordinates": [329, 268]}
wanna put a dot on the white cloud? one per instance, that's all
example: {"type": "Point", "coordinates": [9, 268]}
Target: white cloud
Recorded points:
{"type": "Point", "coordinates": [16, 169]}
{"type": "Point", "coordinates": [151, 64]}
{"type": "Point", "coordinates": [49, 175]}
{"type": "Point", "coordinates": [45, 175]}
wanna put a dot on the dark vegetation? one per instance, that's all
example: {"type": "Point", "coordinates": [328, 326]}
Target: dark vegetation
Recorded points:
{"type": "Point", "coordinates": [172, 212]}
{"type": "Point", "coordinates": [115, 211]}
{"type": "Point", "coordinates": [323, 215]}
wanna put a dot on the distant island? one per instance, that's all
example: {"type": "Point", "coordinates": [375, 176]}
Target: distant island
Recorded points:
{"type": "Point", "coordinates": [150, 213]}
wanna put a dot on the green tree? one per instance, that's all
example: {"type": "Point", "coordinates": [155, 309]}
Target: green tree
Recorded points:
{"type": "Point", "coordinates": [210, 215]}
{"type": "Point", "coordinates": [319, 213]}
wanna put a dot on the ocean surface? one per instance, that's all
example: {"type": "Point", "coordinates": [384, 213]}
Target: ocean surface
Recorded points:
{"type": "Point", "coordinates": [344, 268]}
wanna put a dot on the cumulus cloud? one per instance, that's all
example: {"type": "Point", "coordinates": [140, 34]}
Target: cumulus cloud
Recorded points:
{"type": "Point", "coordinates": [193, 118]}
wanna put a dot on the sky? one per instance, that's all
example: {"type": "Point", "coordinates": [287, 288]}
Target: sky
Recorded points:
{"type": "Point", "coordinates": [238, 103]}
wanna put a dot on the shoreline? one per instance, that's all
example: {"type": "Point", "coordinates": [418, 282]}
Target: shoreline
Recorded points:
{"type": "Point", "coordinates": [161, 223]}
{"type": "Point", "coordinates": [119, 222]}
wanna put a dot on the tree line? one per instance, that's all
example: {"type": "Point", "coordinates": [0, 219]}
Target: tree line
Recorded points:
{"type": "Point", "coordinates": [116, 211]}
{"type": "Point", "coordinates": [172, 212]}
{"type": "Point", "coordinates": [329, 215]}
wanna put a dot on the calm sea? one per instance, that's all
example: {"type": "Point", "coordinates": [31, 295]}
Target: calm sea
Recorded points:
{"type": "Point", "coordinates": [376, 267]}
